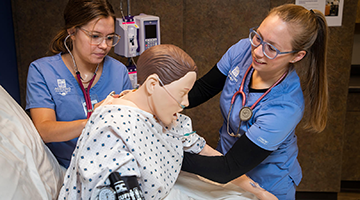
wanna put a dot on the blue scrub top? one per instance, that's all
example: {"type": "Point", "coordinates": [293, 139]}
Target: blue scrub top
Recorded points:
{"type": "Point", "coordinates": [51, 85]}
{"type": "Point", "coordinates": [272, 126]}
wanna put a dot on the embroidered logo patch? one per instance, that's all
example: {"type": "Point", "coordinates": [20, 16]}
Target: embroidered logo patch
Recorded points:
{"type": "Point", "coordinates": [262, 140]}
{"type": "Point", "coordinates": [62, 89]}
{"type": "Point", "coordinates": [234, 74]}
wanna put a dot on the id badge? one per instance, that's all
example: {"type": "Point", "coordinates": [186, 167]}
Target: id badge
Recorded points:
{"type": "Point", "coordinates": [94, 100]}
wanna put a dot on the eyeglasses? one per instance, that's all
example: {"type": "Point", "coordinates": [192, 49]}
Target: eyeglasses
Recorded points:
{"type": "Point", "coordinates": [162, 84]}
{"type": "Point", "coordinates": [96, 38]}
{"type": "Point", "coordinates": [268, 49]}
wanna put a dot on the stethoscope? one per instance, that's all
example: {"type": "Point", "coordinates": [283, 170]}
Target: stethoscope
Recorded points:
{"type": "Point", "coordinates": [246, 112]}
{"type": "Point", "coordinates": [86, 92]}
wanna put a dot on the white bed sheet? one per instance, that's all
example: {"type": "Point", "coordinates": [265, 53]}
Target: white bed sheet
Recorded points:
{"type": "Point", "coordinates": [192, 187]}
{"type": "Point", "coordinates": [28, 168]}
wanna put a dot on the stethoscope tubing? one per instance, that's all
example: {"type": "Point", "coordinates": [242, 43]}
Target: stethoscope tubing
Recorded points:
{"type": "Point", "coordinates": [241, 91]}
{"type": "Point", "coordinates": [86, 93]}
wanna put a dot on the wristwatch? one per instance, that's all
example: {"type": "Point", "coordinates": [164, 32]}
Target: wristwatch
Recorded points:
{"type": "Point", "coordinates": [106, 193]}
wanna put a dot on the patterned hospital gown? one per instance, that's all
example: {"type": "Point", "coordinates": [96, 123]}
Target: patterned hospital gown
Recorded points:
{"type": "Point", "coordinates": [130, 141]}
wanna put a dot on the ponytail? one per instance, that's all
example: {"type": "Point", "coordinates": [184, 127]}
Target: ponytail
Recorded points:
{"type": "Point", "coordinates": [311, 36]}
{"type": "Point", "coordinates": [315, 83]}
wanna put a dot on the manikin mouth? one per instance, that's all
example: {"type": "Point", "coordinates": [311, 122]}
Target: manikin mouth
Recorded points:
{"type": "Point", "coordinates": [175, 117]}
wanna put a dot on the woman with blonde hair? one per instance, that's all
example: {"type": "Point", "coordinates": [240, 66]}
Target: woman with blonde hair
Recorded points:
{"type": "Point", "coordinates": [263, 100]}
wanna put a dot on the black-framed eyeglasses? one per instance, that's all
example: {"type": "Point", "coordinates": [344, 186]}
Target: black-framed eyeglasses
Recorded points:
{"type": "Point", "coordinates": [96, 38]}
{"type": "Point", "coordinates": [268, 49]}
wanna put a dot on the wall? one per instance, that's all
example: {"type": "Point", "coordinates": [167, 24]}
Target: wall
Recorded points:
{"type": "Point", "coordinates": [356, 48]}
{"type": "Point", "coordinates": [358, 13]}
{"type": "Point", "coordinates": [351, 158]}
{"type": "Point", "coordinates": [355, 60]}
{"type": "Point", "coordinates": [351, 148]}
{"type": "Point", "coordinates": [206, 29]}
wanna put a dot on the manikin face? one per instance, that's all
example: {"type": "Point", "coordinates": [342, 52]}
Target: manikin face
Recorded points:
{"type": "Point", "coordinates": [90, 54]}
{"type": "Point", "coordinates": [276, 32]}
{"type": "Point", "coordinates": [166, 106]}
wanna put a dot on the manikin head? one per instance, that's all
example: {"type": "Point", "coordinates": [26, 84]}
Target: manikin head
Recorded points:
{"type": "Point", "coordinates": [166, 73]}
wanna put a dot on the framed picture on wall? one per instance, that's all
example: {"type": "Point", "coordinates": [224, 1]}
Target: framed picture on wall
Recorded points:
{"type": "Point", "coordinates": [332, 9]}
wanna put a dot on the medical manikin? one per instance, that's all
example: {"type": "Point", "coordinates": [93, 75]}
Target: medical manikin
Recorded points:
{"type": "Point", "coordinates": [141, 134]}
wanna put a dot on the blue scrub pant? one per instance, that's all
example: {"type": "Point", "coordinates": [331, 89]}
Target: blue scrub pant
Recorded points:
{"type": "Point", "coordinates": [290, 194]}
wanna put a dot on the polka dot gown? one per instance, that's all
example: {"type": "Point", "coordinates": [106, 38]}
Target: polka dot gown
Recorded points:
{"type": "Point", "coordinates": [130, 141]}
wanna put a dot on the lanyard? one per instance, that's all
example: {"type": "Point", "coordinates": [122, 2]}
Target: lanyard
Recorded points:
{"type": "Point", "coordinates": [86, 93]}
{"type": "Point", "coordinates": [246, 112]}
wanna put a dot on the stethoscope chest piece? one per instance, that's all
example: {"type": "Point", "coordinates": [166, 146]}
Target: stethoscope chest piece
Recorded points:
{"type": "Point", "coordinates": [245, 113]}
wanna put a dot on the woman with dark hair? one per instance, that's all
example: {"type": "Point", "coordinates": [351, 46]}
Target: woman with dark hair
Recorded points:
{"type": "Point", "coordinates": [62, 89]}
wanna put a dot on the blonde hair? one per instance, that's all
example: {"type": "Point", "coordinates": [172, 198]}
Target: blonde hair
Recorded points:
{"type": "Point", "coordinates": [311, 33]}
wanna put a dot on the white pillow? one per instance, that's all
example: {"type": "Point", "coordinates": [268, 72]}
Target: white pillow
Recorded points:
{"type": "Point", "coordinates": [28, 168]}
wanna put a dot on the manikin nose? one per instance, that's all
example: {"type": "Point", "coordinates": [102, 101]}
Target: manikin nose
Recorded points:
{"type": "Point", "coordinates": [185, 102]}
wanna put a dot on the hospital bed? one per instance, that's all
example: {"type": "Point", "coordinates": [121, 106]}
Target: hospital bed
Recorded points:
{"type": "Point", "coordinates": [28, 170]}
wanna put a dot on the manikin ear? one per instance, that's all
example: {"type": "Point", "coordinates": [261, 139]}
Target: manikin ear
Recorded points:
{"type": "Point", "coordinates": [298, 56]}
{"type": "Point", "coordinates": [150, 83]}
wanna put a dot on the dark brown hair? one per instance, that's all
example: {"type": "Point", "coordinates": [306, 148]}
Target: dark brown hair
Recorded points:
{"type": "Point", "coordinates": [169, 62]}
{"type": "Point", "coordinates": [311, 33]}
{"type": "Point", "coordinates": [78, 13]}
